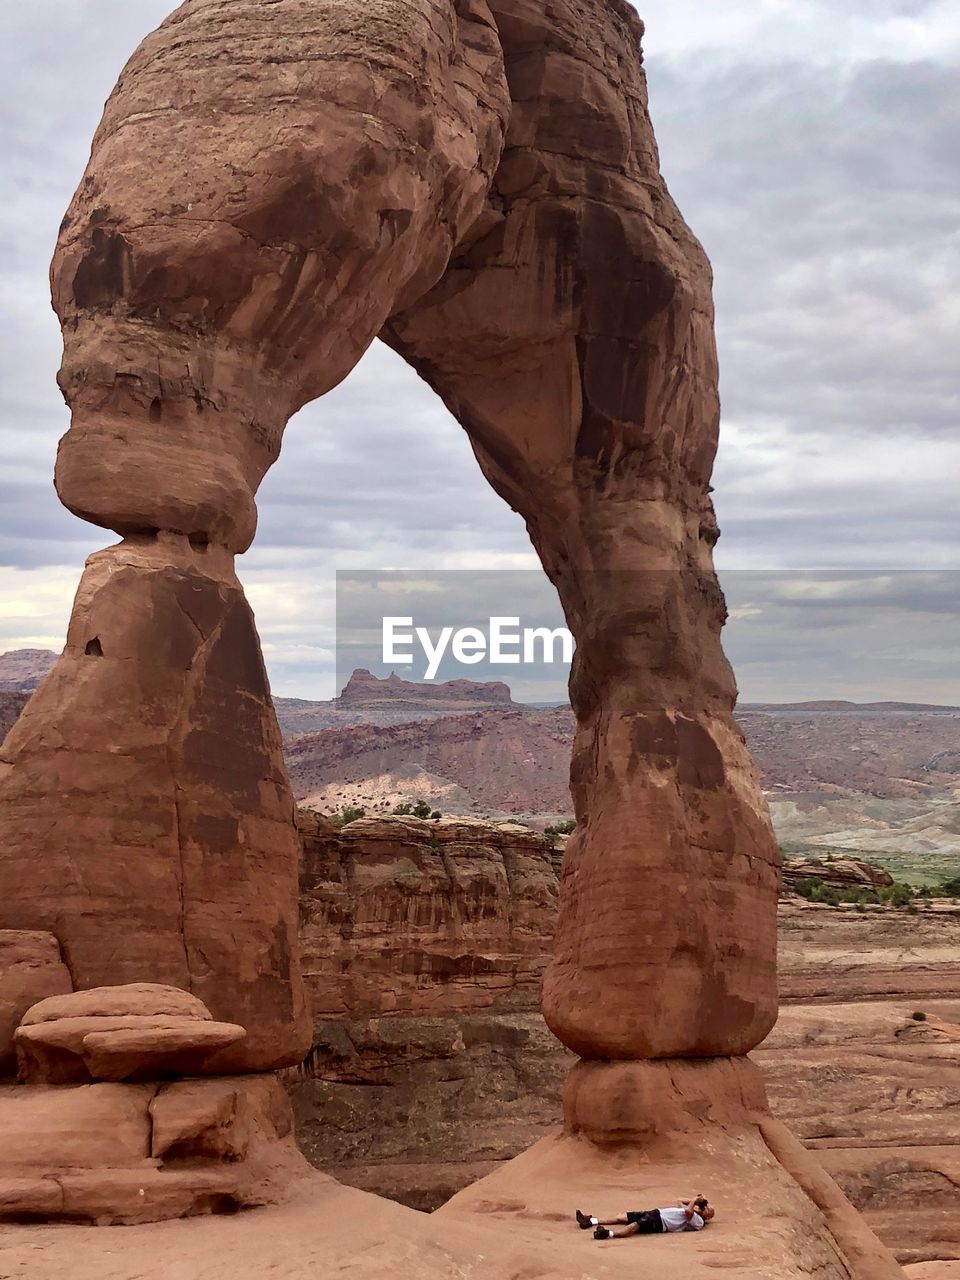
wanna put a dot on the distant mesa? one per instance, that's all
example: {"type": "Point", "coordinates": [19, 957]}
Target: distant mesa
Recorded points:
{"type": "Point", "coordinates": [22, 670]}
{"type": "Point", "coordinates": [363, 687]}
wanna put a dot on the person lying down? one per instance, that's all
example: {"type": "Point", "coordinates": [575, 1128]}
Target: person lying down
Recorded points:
{"type": "Point", "coordinates": [686, 1215]}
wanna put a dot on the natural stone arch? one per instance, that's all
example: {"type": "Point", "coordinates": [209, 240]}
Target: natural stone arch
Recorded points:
{"type": "Point", "coordinates": [481, 186]}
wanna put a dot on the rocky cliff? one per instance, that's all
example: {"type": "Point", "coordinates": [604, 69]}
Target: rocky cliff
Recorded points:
{"type": "Point", "coordinates": [401, 916]}
{"type": "Point", "coordinates": [431, 1065]}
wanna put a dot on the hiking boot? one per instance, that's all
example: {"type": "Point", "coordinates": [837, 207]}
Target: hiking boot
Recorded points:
{"type": "Point", "coordinates": [602, 1233]}
{"type": "Point", "coordinates": [583, 1221]}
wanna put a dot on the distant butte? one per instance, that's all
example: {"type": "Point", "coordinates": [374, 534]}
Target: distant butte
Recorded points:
{"type": "Point", "coordinates": [363, 687]}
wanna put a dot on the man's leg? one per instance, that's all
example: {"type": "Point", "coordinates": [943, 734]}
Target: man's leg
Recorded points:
{"type": "Point", "coordinates": [585, 1220]}
{"type": "Point", "coordinates": [621, 1233]}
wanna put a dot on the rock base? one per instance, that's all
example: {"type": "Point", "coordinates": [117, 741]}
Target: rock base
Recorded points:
{"type": "Point", "coordinates": [641, 1135]}
{"type": "Point", "coordinates": [119, 1154]}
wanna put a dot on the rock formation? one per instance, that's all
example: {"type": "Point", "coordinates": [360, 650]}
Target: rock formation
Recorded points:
{"type": "Point", "coordinates": [271, 187]}
{"type": "Point", "coordinates": [172, 832]}
{"type": "Point", "coordinates": [363, 688]}
{"type": "Point", "coordinates": [837, 873]}
{"type": "Point", "coordinates": [403, 916]}
{"type": "Point", "coordinates": [416, 1097]}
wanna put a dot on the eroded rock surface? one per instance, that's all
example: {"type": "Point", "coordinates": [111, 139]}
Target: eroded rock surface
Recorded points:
{"type": "Point", "coordinates": [170, 854]}
{"type": "Point", "coordinates": [400, 915]}
{"type": "Point", "coordinates": [127, 1153]}
{"type": "Point", "coordinates": [138, 1032]}
{"type": "Point", "coordinates": [31, 969]}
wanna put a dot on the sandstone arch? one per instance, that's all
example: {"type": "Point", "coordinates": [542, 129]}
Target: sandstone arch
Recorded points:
{"type": "Point", "coordinates": [273, 185]}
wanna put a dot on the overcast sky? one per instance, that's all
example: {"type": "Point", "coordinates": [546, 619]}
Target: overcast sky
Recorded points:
{"type": "Point", "coordinates": [813, 147]}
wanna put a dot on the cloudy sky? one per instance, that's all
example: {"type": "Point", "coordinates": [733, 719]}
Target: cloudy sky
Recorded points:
{"type": "Point", "coordinates": [813, 146]}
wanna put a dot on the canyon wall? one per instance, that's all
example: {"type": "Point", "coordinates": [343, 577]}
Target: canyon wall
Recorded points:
{"type": "Point", "coordinates": [423, 946]}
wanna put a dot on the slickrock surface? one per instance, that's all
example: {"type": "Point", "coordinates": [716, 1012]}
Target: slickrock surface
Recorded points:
{"type": "Point", "coordinates": [325, 1229]}
{"type": "Point", "coordinates": [829, 956]}
{"type": "Point", "coordinates": [872, 1091]}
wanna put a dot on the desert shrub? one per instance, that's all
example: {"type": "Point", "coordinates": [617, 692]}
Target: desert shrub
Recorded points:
{"type": "Point", "coordinates": [556, 829]}
{"type": "Point", "coordinates": [349, 813]}
{"type": "Point", "coordinates": [807, 887]}
{"type": "Point", "coordinates": [436, 814]}
{"type": "Point", "coordinates": [402, 810]}
{"type": "Point", "coordinates": [917, 1016]}
{"type": "Point", "coordinates": [950, 888]}
{"type": "Point", "coordinates": [901, 895]}
{"type": "Point", "coordinates": [421, 809]}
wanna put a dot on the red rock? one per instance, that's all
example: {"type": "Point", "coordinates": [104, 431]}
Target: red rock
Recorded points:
{"type": "Point", "coordinates": [589, 392]}
{"type": "Point", "coordinates": [170, 855]}
{"type": "Point", "coordinates": [217, 1118]}
{"type": "Point", "coordinates": [401, 915]}
{"type": "Point", "coordinates": [135, 999]}
{"type": "Point", "coordinates": [83, 1127]}
{"type": "Point", "coordinates": [143, 1031]}
{"type": "Point", "coordinates": [87, 1153]}
{"type": "Point", "coordinates": [30, 969]}
{"type": "Point", "coordinates": [479, 184]}
{"type": "Point", "coordinates": [144, 1053]}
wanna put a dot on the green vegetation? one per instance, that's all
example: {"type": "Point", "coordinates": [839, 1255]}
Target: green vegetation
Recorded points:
{"type": "Point", "coordinates": [349, 813]}
{"type": "Point", "coordinates": [895, 895]}
{"type": "Point", "coordinates": [918, 1016]}
{"type": "Point", "coordinates": [559, 829]}
{"type": "Point", "coordinates": [419, 810]}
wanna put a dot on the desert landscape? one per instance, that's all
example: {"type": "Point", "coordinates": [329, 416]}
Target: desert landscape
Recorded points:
{"type": "Point", "coordinates": [398, 983]}
{"type": "Point", "coordinates": [424, 942]}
